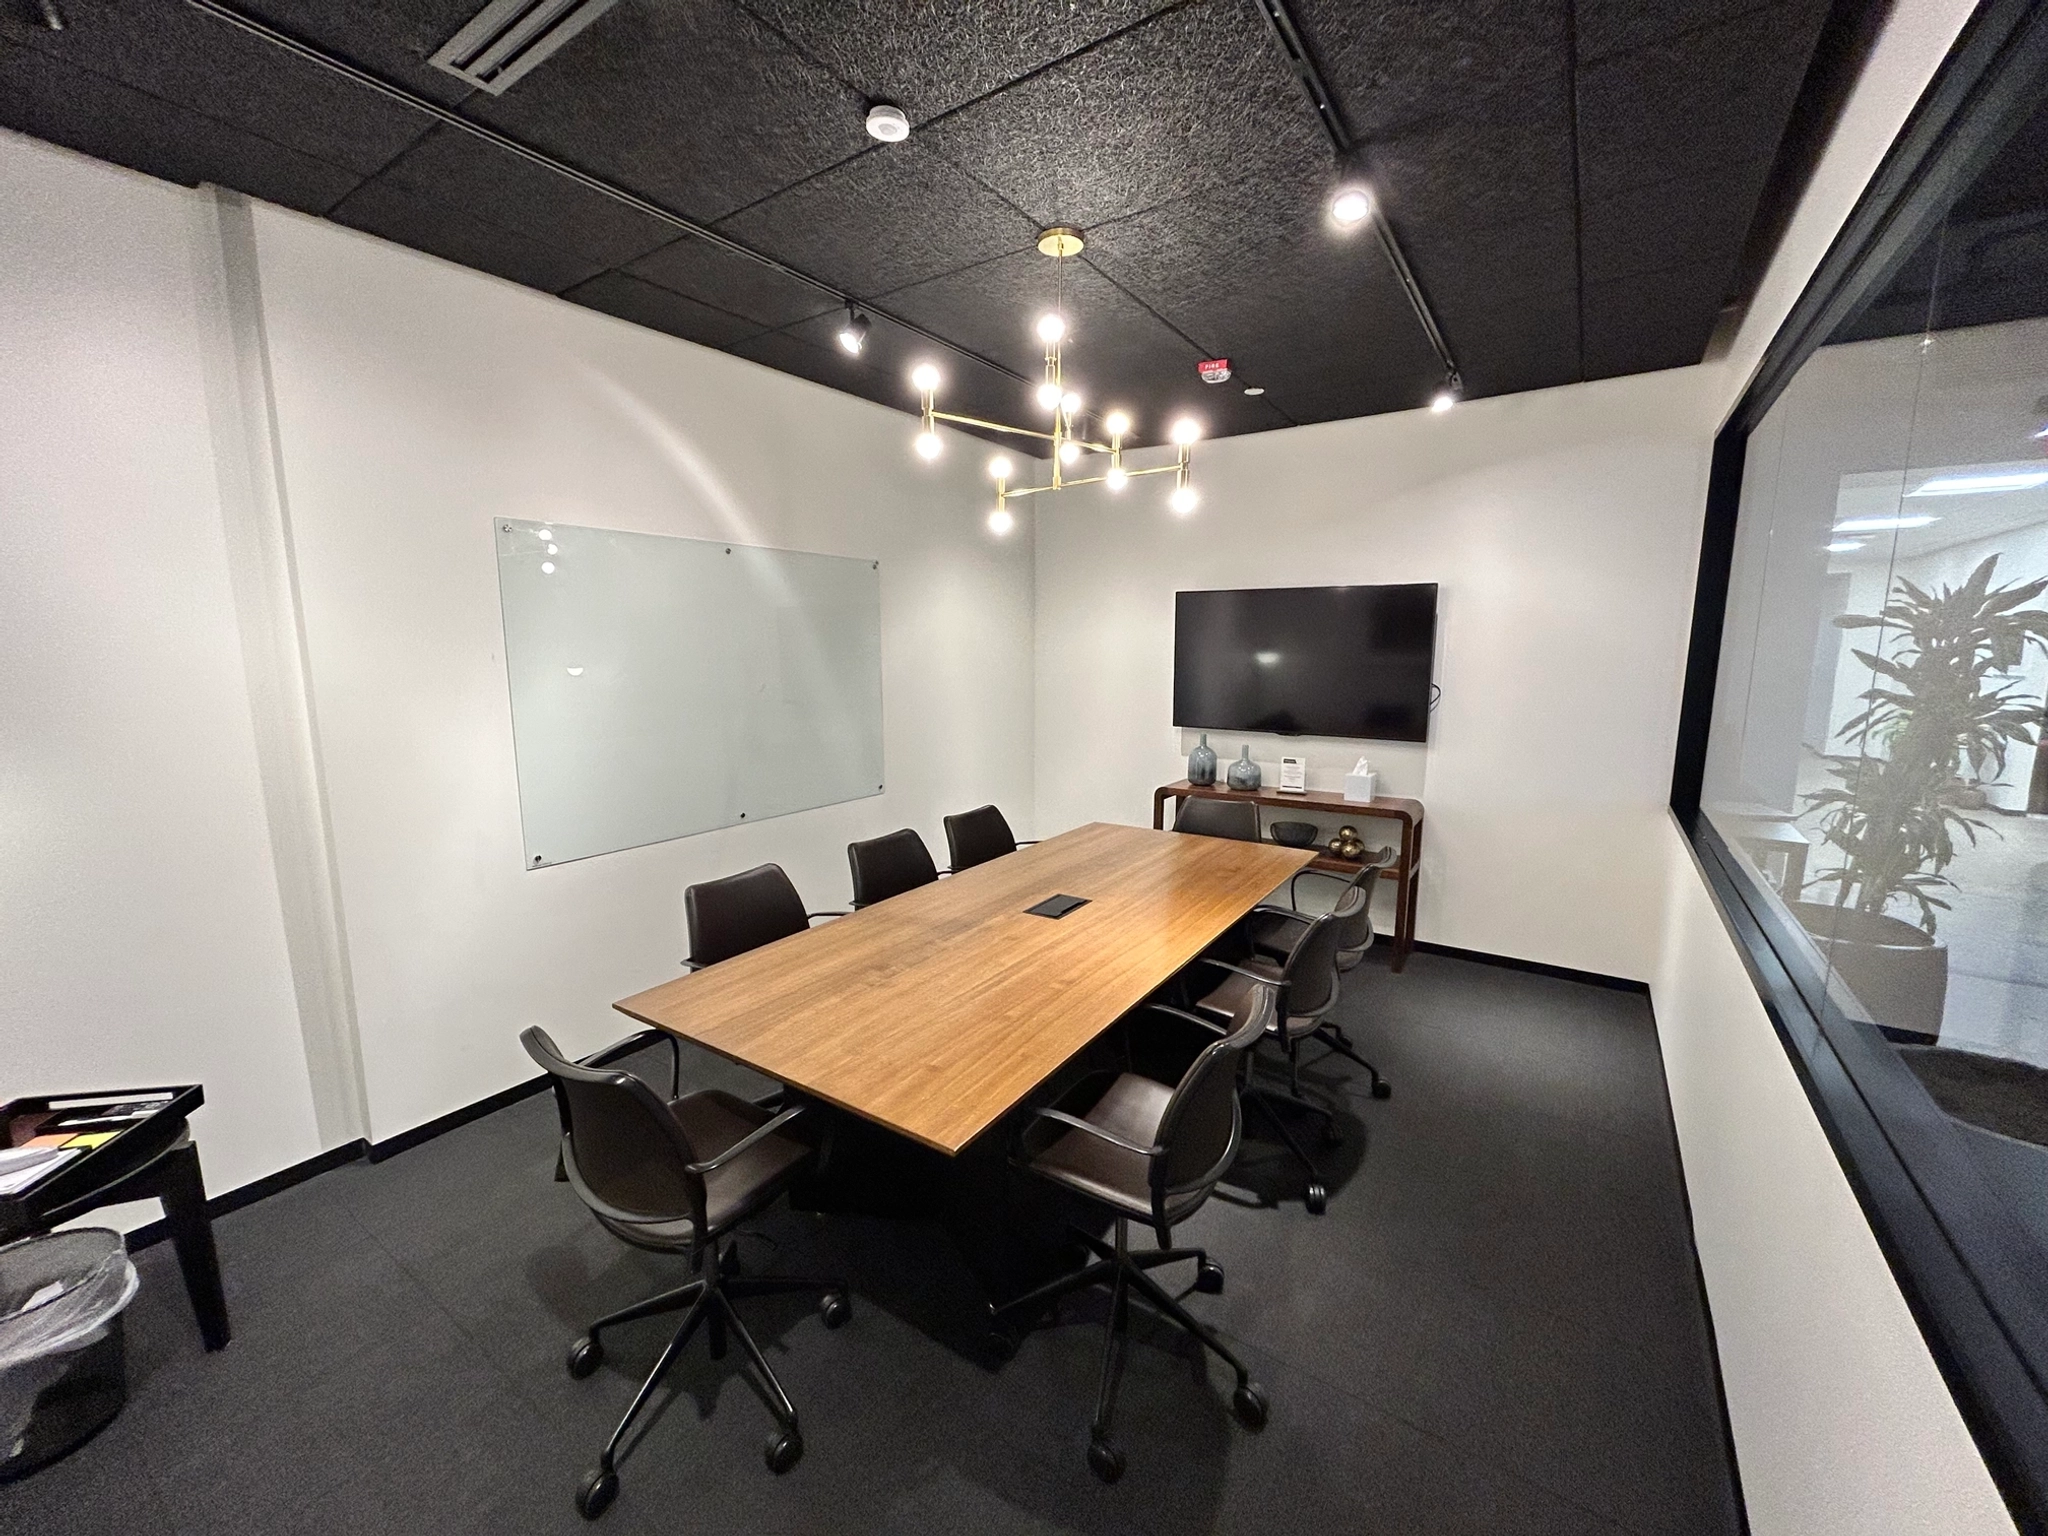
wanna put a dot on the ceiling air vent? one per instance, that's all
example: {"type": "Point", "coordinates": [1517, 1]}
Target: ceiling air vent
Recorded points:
{"type": "Point", "coordinates": [509, 37]}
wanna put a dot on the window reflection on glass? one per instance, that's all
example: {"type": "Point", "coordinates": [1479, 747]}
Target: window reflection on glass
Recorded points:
{"type": "Point", "coordinates": [1876, 750]}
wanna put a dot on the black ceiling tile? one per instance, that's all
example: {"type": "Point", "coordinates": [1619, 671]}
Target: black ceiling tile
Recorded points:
{"type": "Point", "coordinates": [185, 57]}
{"type": "Point", "coordinates": [1255, 274]}
{"type": "Point", "coordinates": [1480, 161]}
{"type": "Point", "coordinates": [692, 103]}
{"type": "Point", "coordinates": [894, 216]}
{"type": "Point", "coordinates": [1615, 26]}
{"type": "Point", "coordinates": [392, 39]}
{"type": "Point", "coordinates": [928, 60]}
{"type": "Point", "coordinates": [711, 274]}
{"type": "Point", "coordinates": [87, 112]}
{"type": "Point", "coordinates": [1465, 271]}
{"type": "Point", "coordinates": [1394, 63]}
{"type": "Point", "coordinates": [1717, 96]}
{"type": "Point", "coordinates": [464, 187]}
{"type": "Point", "coordinates": [1671, 223]}
{"type": "Point", "coordinates": [1192, 100]}
{"type": "Point", "coordinates": [628, 298]}
{"type": "Point", "coordinates": [1526, 339]}
{"type": "Point", "coordinates": [1653, 320]}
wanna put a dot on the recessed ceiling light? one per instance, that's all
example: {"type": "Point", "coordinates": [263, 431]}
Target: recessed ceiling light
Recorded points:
{"type": "Point", "coordinates": [1254, 389]}
{"type": "Point", "coordinates": [1982, 485]}
{"type": "Point", "coordinates": [888, 123]}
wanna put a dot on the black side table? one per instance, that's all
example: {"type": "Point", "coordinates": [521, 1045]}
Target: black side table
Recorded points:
{"type": "Point", "coordinates": [150, 1158]}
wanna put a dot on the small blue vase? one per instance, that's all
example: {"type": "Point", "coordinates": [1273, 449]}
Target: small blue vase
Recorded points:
{"type": "Point", "coordinates": [1202, 762]}
{"type": "Point", "coordinates": [1244, 773]}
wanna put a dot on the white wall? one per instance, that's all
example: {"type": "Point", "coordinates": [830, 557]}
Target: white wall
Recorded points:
{"type": "Point", "coordinates": [416, 401]}
{"type": "Point", "coordinates": [140, 935]}
{"type": "Point", "coordinates": [1562, 528]}
{"type": "Point", "coordinates": [1842, 1423]}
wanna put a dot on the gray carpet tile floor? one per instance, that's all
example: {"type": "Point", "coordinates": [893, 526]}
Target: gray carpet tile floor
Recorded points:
{"type": "Point", "coordinates": [1496, 1328]}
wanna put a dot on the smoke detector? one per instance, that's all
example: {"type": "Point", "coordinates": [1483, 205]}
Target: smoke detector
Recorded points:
{"type": "Point", "coordinates": [887, 123]}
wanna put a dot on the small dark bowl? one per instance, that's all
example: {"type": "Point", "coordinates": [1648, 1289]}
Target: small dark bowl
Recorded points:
{"type": "Point", "coordinates": [1295, 834]}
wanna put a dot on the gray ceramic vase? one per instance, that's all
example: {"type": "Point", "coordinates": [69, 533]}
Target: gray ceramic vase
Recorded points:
{"type": "Point", "coordinates": [1244, 773]}
{"type": "Point", "coordinates": [1202, 762]}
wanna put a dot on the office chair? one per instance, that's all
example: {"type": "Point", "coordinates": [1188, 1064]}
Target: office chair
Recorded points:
{"type": "Point", "coordinates": [974, 837]}
{"type": "Point", "coordinates": [740, 912]}
{"type": "Point", "coordinates": [1237, 819]}
{"type": "Point", "coordinates": [676, 1176]}
{"type": "Point", "coordinates": [1273, 930]}
{"type": "Point", "coordinates": [889, 866]}
{"type": "Point", "coordinates": [1307, 980]}
{"type": "Point", "coordinates": [1152, 1150]}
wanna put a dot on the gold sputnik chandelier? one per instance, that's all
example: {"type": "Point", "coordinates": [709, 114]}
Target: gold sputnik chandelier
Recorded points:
{"type": "Point", "coordinates": [1069, 439]}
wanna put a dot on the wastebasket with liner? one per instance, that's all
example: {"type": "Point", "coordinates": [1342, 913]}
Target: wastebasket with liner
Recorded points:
{"type": "Point", "coordinates": [63, 1368]}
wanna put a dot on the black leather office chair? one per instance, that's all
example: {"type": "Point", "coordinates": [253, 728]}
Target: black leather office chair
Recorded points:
{"type": "Point", "coordinates": [676, 1175]}
{"type": "Point", "coordinates": [974, 837]}
{"type": "Point", "coordinates": [1273, 930]}
{"type": "Point", "coordinates": [1150, 1150]}
{"type": "Point", "coordinates": [889, 866]}
{"type": "Point", "coordinates": [740, 912]}
{"type": "Point", "coordinates": [1237, 819]}
{"type": "Point", "coordinates": [1307, 979]}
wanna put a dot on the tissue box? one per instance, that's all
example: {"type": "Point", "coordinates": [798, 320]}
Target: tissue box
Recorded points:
{"type": "Point", "coordinates": [1361, 787]}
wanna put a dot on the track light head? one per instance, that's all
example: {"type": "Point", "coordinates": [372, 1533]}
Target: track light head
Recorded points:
{"type": "Point", "coordinates": [853, 335]}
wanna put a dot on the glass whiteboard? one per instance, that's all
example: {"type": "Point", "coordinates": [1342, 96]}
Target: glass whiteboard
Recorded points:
{"type": "Point", "coordinates": [663, 687]}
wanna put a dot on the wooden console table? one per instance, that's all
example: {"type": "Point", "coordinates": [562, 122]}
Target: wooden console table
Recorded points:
{"type": "Point", "coordinates": [1405, 871]}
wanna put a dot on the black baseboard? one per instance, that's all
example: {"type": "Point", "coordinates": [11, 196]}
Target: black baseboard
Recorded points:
{"type": "Point", "coordinates": [406, 1140]}
{"type": "Point", "coordinates": [1535, 968]}
{"type": "Point", "coordinates": [248, 1194]}
{"type": "Point", "coordinates": [340, 1157]}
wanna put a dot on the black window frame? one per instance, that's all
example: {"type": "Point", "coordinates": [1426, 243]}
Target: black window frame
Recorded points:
{"type": "Point", "coordinates": [1973, 1280]}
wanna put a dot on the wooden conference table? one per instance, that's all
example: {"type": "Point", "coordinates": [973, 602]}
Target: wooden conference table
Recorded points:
{"type": "Point", "coordinates": [937, 1012]}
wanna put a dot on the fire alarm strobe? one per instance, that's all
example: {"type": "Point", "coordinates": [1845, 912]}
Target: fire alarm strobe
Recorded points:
{"type": "Point", "coordinates": [1214, 370]}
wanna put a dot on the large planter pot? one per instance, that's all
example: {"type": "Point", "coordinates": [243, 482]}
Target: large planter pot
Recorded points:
{"type": "Point", "coordinates": [1897, 972]}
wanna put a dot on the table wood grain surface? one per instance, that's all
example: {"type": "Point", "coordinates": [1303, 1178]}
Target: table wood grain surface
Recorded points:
{"type": "Point", "coordinates": [936, 1012]}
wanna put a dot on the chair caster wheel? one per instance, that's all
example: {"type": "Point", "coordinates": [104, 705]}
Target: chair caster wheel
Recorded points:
{"type": "Point", "coordinates": [729, 1260]}
{"type": "Point", "coordinates": [1250, 1405]}
{"type": "Point", "coordinates": [1209, 1278]}
{"type": "Point", "coordinates": [784, 1450]}
{"type": "Point", "coordinates": [835, 1309]}
{"type": "Point", "coordinates": [594, 1496]}
{"type": "Point", "coordinates": [1382, 1089]}
{"type": "Point", "coordinates": [1105, 1460]}
{"type": "Point", "coordinates": [1318, 1200]}
{"type": "Point", "coordinates": [585, 1356]}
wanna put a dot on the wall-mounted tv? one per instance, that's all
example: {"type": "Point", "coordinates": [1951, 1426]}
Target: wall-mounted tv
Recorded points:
{"type": "Point", "coordinates": [1306, 661]}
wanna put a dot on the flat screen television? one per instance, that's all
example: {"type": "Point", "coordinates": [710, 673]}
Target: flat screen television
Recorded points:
{"type": "Point", "coordinates": [1306, 661]}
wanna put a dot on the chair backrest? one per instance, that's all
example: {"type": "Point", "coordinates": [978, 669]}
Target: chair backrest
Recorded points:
{"type": "Point", "coordinates": [1237, 819]}
{"type": "Point", "coordinates": [889, 866]}
{"type": "Point", "coordinates": [1310, 968]}
{"type": "Point", "coordinates": [974, 837]}
{"type": "Point", "coordinates": [741, 912]}
{"type": "Point", "coordinates": [1199, 1131]}
{"type": "Point", "coordinates": [1354, 917]}
{"type": "Point", "coordinates": [626, 1155]}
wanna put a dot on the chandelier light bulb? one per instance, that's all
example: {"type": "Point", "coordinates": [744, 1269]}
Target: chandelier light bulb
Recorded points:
{"type": "Point", "coordinates": [999, 468]}
{"type": "Point", "coordinates": [1070, 451]}
{"type": "Point", "coordinates": [1183, 500]}
{"type": "Point", "coordinates": [1186, 430]}
{"type": "Point", "coordinates": [1051, 327]}
{"type": "Point", "coordinates": [928, 445]}
{"type": "Point", "coordinates": [1048, 396]}
{"type": "Point", "coordinates": [1117, 478]}
{"type": "Point", "coordinates": [1350, 207]}
{"type": "Point", "coordinates": [924, 378]}
{"type": "Point", "coordinates": [1000, 521]}
{"type": "Point", "coordinates": [1071, 401]}
{"type": "Point", "coordinates": [1117, 424]}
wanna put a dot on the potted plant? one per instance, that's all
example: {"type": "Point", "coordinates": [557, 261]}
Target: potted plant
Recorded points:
{"type": "Point", "coordinates": [1936, 723]}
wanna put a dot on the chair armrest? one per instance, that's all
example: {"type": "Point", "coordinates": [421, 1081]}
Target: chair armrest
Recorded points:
{"type": "Point", "coordinates": [811, 916]}
{"type": "Point", "coordinates": [640, 1042]}
{"type": "Point", "coordinates": [1286, 914]}
{"type": "Point", "coordinates": [691, 966]}
{"type": "Point", "coordinates": [1094, 1130]}
{"type": "Point", "coordinates": [1237, 970]}
{"type": "Point", "coordinates": [1029, 842]}
{"type": "Point", "coordinates": [746, 1142]}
